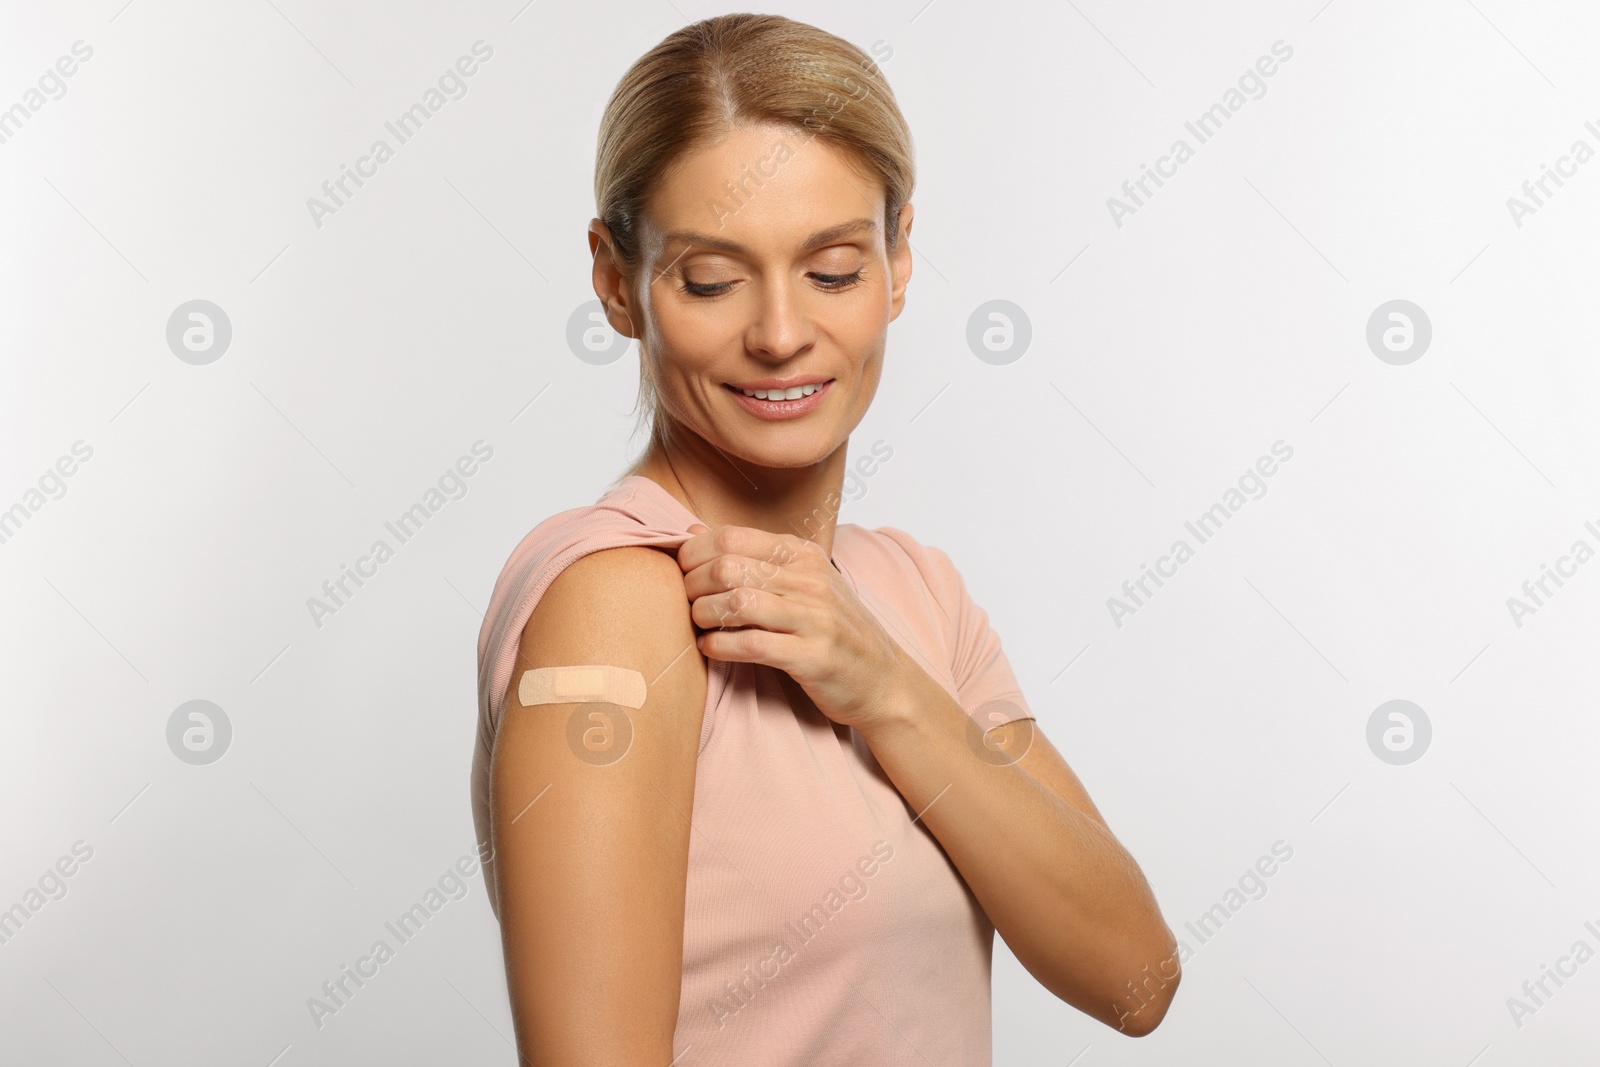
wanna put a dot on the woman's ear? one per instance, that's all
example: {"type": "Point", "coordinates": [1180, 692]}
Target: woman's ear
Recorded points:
{"type": "Point", "coordinates": [610, 280]}
{"type": "Point", "coordinates": [900, 262]}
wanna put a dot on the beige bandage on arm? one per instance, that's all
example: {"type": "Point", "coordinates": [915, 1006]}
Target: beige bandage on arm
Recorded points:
{"type": "Point", "coordinates": [582, 685]}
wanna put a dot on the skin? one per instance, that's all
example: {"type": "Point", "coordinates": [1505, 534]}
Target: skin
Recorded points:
{"type": "Point", "coordinates": [1068, 899]}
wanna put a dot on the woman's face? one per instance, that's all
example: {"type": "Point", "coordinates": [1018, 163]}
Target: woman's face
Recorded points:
{"type": "Point", "coordinates": [764, 258]}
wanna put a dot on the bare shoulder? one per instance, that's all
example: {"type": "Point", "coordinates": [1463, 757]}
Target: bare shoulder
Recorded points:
{"type": "Point", "coordinates": [613, 600]}
{"type": "Point", "coordinates": [622, 607]}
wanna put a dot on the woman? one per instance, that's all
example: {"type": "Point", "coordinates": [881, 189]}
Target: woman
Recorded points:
{"type": "Point", "coordinates": [798, 849]}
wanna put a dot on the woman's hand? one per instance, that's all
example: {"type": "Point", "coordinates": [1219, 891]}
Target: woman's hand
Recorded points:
{"type": "Point", "coordinates": [793, 611]}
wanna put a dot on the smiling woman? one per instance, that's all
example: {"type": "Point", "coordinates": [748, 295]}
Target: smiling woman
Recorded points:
{"type": "Point", "coordinates": [815, 690]}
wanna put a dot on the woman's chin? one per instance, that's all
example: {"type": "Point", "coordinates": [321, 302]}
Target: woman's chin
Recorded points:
{"type": "Point", "coordinates": [781, 450]}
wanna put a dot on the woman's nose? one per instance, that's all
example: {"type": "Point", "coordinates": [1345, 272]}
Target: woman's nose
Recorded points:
{"type": "Point", "coordinates": [782, 325]}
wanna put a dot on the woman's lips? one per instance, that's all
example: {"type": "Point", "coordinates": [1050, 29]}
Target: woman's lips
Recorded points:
{"type": "Point", "coordinates": [778, 410]}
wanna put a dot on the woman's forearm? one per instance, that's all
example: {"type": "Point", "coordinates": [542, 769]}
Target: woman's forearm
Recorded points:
{"type": "Point", "coordinates": [1067, 897]}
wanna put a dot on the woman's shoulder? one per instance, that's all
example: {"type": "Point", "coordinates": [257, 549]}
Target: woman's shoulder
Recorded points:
{"type": "Point", "coordinates": [626, 514]}
{"type": "Point", "coordinates": [930, 594]}
{"type": "Point", "coordinates": [916, 580]}
{"type": "Point", "coordinates": [891, 550]}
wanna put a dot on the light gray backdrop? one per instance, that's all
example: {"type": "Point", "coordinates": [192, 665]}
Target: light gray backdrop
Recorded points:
{"type": "Point", "coordinates": [182, 479]}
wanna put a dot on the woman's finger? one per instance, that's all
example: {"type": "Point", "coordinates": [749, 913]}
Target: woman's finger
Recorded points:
{"type": "Point", "coordinates": [736, 541]}
{"type": "Point", "coordinates": [749, 646]}
{"type": "Point", "coordinates": [726, 572]}
{"type": "Point", "coordinates": [749, 607]}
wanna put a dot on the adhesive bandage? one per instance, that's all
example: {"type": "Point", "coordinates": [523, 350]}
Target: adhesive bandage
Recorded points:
{"type": "Point", "coordinates": [581, 685]}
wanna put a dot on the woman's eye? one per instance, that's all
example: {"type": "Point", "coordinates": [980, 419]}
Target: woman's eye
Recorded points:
{"type": "Point", "coordinates": [827, 281]}
{"type": "Point", "coordinates": [838, 281]}
{"type": "Point", "coordinates": [708, 289]}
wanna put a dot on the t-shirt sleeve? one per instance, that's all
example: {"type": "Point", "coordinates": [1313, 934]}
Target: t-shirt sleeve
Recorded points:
{"type": "Point", "coordinates": [986, 685]}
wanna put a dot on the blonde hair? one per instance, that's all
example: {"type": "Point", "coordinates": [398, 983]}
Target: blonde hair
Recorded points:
{"type": "Point", "coordinates": [702, 81]}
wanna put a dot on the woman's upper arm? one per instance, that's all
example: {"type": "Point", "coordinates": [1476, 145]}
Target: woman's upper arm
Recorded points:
{"type": "Point", "coordinates": [591, 874]}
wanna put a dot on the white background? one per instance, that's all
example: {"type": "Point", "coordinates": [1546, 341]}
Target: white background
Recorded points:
{"type": "Point", "coordinates": [1229, 312]}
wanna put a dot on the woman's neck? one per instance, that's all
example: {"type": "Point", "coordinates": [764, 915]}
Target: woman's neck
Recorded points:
{"type": "Point", "coordinates": [803, 501]}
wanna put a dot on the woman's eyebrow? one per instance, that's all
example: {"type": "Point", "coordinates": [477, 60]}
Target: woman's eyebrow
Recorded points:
{"type": "Point", "coordinates": [821, 237]}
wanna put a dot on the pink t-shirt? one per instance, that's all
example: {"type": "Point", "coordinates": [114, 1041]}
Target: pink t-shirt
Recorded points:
{"type": "Point", "coordinates": [822, 925]}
